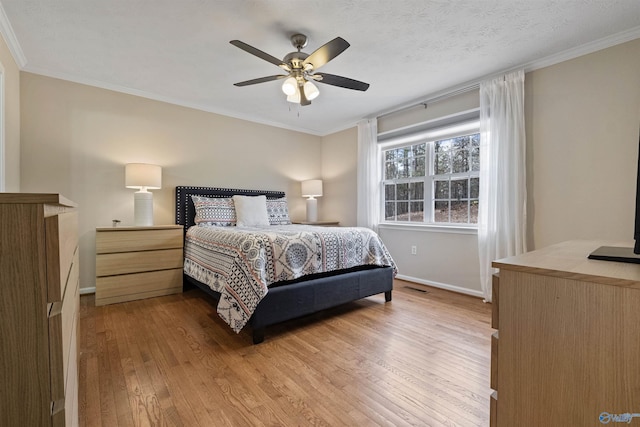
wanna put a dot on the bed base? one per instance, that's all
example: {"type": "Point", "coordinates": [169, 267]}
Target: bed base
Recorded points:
{"type": "Point", "coordinates": [294, 298]}
{"type": "Point", "coordinates": [300, 298]}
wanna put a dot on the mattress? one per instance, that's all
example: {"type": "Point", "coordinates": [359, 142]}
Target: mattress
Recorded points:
{"type": "Point", "coordinates": [241, 263]}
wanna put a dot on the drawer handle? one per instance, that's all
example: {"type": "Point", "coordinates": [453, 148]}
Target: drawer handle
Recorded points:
{"type": "Point", "coordinates": [54, 309]}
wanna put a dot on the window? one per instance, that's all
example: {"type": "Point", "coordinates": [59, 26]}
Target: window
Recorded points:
{"type": "Point", "coordinates": [433, 180]}
{"type": "Point", "coordinates": [405, 170]}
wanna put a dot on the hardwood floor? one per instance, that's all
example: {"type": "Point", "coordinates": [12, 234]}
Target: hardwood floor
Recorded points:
{"type": "Point", "coordinates": [421, 360]}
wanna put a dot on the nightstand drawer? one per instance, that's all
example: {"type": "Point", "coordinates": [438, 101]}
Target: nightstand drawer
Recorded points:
{"type": "Point", "coordinates": [129, 287]}
{"type": "Point", "coordinates": [137, 262]}
{"type": "Point", "coordinates": [123, 240]}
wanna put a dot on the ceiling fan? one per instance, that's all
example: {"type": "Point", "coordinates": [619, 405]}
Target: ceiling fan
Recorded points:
{"type": "Point", "coordinates": [302, 69]}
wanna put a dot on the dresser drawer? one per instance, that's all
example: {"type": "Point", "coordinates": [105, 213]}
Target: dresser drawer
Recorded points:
{"type": "Point", "coordinates": [493, 410]}
{"type": "Point", "coordinates": [40, 300]}
{"type": "Point", "coordinates": [64, 411]}
{"type": "Point", "coordinates": [61, 240]}
{"type": "Point", "coordinates": [62, 336]}
{"type": "Point", "coordinates": [138, 240]}
{"type": "Point", "coordinates": [495, 297]}
{"type": "Point", "coordinates": [494, 360]}
{"type": "Point", "coordinates": [71, 384]}
{"type": "Point", "coordinates": [137, 262]}
{"type": "Point", "coordinates": [129, 287]}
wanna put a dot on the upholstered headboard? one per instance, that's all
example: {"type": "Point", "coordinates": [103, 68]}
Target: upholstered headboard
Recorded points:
{"type": "Point", "coordinates": [185, 211]}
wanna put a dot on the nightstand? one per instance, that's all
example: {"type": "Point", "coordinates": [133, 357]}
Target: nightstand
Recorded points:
{"type": "Point", "coordinates": [320, 223]}
{"type": "Point", "coordinates": [138, 262]}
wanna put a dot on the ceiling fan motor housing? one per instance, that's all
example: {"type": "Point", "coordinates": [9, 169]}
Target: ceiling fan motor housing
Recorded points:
{"type": "Point", "coordinates": [295, 59]}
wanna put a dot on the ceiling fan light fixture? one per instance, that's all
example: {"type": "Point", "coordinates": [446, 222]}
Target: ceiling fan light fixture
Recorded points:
{"type": "Point", "coordinates": [311, 91]}
{"type": "Point", "coordinates": [294, 97]}
{"type": "Point", "coordinates": [301, 67]}
{"type": "Point", "coordinates": [290, 86]}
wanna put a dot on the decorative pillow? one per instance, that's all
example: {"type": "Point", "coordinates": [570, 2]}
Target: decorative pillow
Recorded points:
{"type": "Point", "coordinates": [214, 211]}
{"type": "Point", "coordinates": [278, 211]}
{"type": "Point", "coordinates": [251, 211]}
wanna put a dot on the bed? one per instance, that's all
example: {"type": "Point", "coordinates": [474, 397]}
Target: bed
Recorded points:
{"type": "Point", "coordinates": [279, 300]}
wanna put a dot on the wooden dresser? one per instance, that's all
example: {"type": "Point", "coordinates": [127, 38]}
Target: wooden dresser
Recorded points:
{"type": "Point", "coordinates": [39, 305]}
{"type": "Point", "coordinates": [138, 262]}
{"type": "Point", "coordinates": [568, 348]}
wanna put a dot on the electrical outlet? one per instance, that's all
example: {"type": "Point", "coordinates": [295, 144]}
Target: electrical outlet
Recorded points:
{"type": "Point", "coordinates": [414, 250]}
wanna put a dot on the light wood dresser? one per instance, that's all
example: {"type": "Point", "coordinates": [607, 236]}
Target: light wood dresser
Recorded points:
{"type": "Point", "coordinates": [39, 305]}
{"type": "Point", "coordinates": [138, 262]}
{"type": "Point", "coordinates": [567, 351]}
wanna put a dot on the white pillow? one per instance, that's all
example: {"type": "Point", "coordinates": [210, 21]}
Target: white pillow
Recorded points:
{"type": "Point", "coordinates": [251, 211]}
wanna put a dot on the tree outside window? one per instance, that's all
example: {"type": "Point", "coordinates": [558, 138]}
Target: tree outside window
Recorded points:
{"type": "Point", "coordinates": [433, 182]}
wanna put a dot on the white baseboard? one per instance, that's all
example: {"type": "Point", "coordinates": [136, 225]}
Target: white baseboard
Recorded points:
{"type": "Point", "coordinates": [445, 286]}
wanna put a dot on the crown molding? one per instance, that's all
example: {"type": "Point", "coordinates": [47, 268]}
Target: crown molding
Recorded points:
{"type": "Point", "coordinates": [10, 38]}
{"type": "Point", "coordinates": [161, 98]}
{"type": "Point", "coordinates": [585, 49]}
{"type": "Point", "coordinates": [14, 46]}
{"type": "Point", "coordinates": [566, 55]}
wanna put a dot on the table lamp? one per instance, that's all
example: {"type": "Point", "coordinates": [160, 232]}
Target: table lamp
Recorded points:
{"type": "Point", "coordinates": [311, 189]}
{"type": "Point", "coordinates": [143, 177]}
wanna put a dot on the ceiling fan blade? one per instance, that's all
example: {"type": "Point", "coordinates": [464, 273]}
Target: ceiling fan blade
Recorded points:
{"type": "Point", "coordinates": [332, 79]}
{"type": "Point", "coordinates": [260, 54]}
{"type": "Point", "coordinates": [326, 53]}
{"type": "Point", "coordinates": [261, 80]}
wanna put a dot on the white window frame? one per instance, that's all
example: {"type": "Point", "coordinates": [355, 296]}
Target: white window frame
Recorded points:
{"type": "Point", "coordinates": [451, 130]}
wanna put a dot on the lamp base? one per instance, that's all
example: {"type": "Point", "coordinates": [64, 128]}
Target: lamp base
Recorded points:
{"type": "Point", "coordinates": [312, 209]}
{"type": "Point", "coordinates": [142, 208]}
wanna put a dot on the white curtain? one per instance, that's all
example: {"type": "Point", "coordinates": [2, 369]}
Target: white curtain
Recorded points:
{"type": "Point", "coordinates": [368, 213]}
{"type": "Point", "coordinates": [502, 206]}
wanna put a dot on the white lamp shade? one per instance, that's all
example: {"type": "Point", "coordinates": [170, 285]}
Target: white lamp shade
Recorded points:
{"type": "Point", "coordinates": [312, 188]}
{"type": "Point", "coordinates": [311, 91]}
{"type": "Point", "coordinates": [290, 86]}
{"type": "Point", "coordinates": [143, 175]}
{"type": "Point", "coordinates": [295, 96]}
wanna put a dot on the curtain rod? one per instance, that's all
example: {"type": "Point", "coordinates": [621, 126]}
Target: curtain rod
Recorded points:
{"type": "Point", "coordinates": [434, 98]}
{"type": "Point", "coordinates": [594, 46]}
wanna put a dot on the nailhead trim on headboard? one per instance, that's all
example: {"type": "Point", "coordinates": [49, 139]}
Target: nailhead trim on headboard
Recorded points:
{"type": "Point", "coordinates": [185, 212]}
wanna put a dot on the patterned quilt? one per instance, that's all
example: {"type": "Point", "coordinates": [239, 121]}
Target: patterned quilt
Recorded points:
{"type": "Point", "coordinates": [241, 262]}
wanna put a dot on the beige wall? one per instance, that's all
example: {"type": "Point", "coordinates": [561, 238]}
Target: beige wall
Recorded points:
{"type": "Point", "coordinates": [582, 119]}
{"type": "Point", "coordinates": [11, 119]}
{"type": "Point", "coordinates": [76, 140]}
{"type": "Point", "coordinates": [339, 174]}
{"type": "Point", "coordinates": [446, 258]}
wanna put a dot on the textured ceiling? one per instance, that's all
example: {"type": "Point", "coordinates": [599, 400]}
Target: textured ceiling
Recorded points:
{"type": "Point", "coordinates": [179, 51]}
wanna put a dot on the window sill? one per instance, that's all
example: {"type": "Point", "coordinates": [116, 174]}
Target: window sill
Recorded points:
{"type": "Point", "coordinates": [431, 228]}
